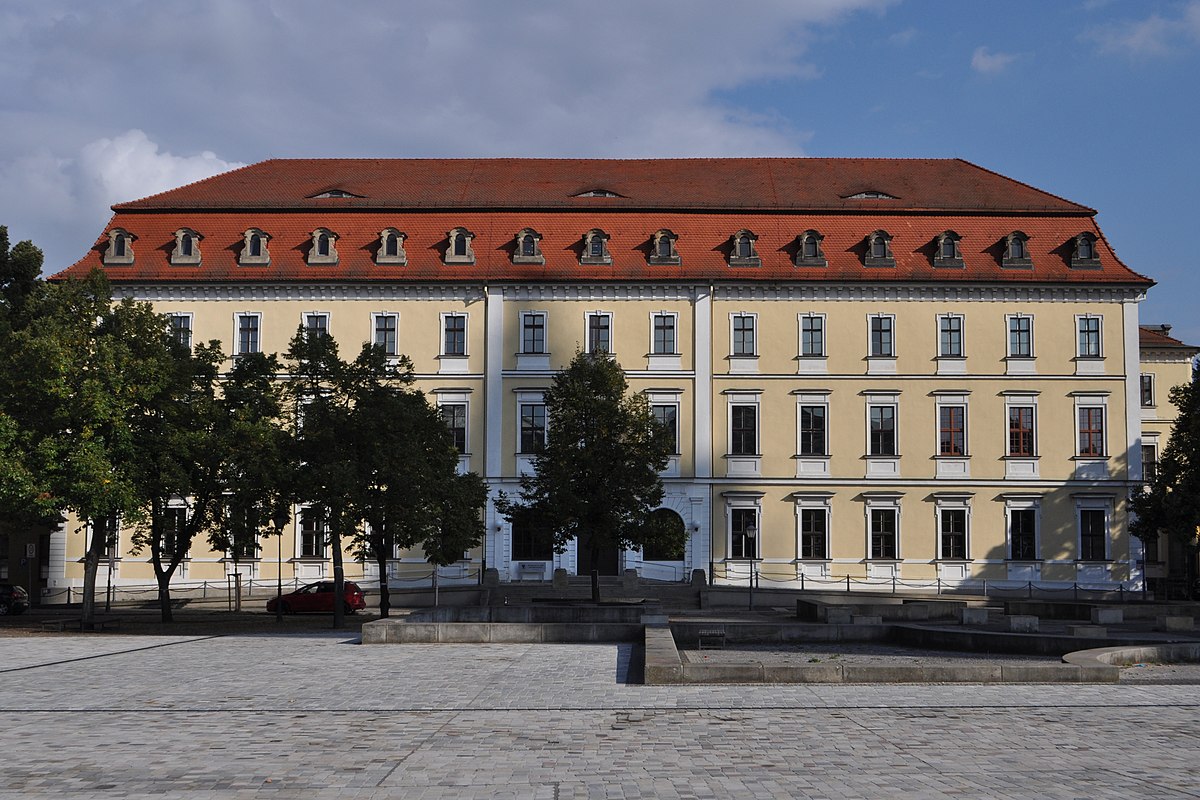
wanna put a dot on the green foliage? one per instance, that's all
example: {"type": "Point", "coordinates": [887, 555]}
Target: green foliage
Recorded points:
{"type": "Point", "coordinates": [1172, 502]}
{"type": "Point", "coordinates": [597, 479]}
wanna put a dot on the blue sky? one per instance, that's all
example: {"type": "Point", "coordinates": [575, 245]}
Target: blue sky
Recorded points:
{"type": "Point", "coordinates": [1095, 100]}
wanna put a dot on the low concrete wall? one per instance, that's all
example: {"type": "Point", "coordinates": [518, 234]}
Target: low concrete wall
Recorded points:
{"type": "Point", "coordinates": [538, 614]}
{"type": "Point", "coordinates": [1173, 653]}
{"type": "Point", "coordinates": [993, 641]}
{"type": "Point", "coordinates": [889, 609]}
{"type": "Point", "coordinates": [388, 631]}
{"type": "Point", "coordinates": [1055, 609]}
{"type": "Point", "coordinates": [773, 632]}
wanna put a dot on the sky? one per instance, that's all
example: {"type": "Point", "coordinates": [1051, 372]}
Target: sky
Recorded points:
{"type": "Point", "coordinates": [1093, 100]}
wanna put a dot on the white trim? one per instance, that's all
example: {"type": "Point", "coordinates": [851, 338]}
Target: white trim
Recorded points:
{"type": "Point", "coordinates": [962, 334]}
{"type": "Point", "coordinates": [743, 464]}
{"type": "Point", "coordinates": [813, 501]}
{"type": "Point", "coordinates": [442, 317]}
{"type": "Point", "coordinates": [1133, 403]}
{"type": "Point", "coordinates": [894, 350]}
{"type": "Point", "coordinates": [304, 315]}
{"type": "Point", "coordinates": [702, 421]}
{"type": "Point", "coordinates": [811, 465]}
{"type": "Point", "coordinates": [1103, 503]}
{"type": "Point", "coordinates": [190, 326]}
{"type": "Point", "coordinates": [952, 466]}
{"type": "Point", "coordinates": [800, 334]}
{"type": "Point", "coordinates": [1020, 467]}
{"type": "Point", "coordinates": [236, 349]}
{"type": "Point", "coordinates": [664, 361]}
{"type": "Point", "coordinates": [377, 315]}
{"type": "Point", "coordinates": [743, 501]}
{"type": "Point", "coordinates": [951, 502]}
{"type": "Point", "coordinates": [882, 465]}
{"type": "Point", "coordinates": [587, 330]}
{"type": "Point", "coordinates": [882, 501]}
{"type": "Point", "coordinates": [1094, 467]}
{"type": "Point", "coordinates": [494, 397]}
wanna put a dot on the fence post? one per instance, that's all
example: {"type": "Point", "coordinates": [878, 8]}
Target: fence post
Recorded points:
{"type": "Point", "coordinates": [1121, 591]}
{"type": "Point", "coordinates": [1029, 589]}
{"type": "Point", "coordinates": [204, 590]}
{"type": "Point", "coordinates": [1076, 587]}
{"type": "Point", "coordinates": [847, 583]}
{"type": "Point", "coordinates": [985, 587]}
{"type": "Point", "coordinates": [893, 583]}
{"type": "Point", "coordinates": [802, 581]}
{"type": "Point", "coordinates": [939, 584]}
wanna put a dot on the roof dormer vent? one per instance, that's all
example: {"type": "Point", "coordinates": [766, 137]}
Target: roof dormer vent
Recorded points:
{"type": "Point", "coordinates": [333, 193]}
{"type": "Point", "coordinates": [871, 194]}
{"type": "Point", "coordinates": [598, 193]}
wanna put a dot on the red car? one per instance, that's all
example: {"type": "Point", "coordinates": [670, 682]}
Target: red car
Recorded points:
{"type": "Point", "coordinates": [319, 597]}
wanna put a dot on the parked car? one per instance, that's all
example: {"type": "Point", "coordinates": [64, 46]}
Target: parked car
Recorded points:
{"type": "Point", "coordinates": [13, 599]}
{"type": "Point", "coordinates": [319, 597]}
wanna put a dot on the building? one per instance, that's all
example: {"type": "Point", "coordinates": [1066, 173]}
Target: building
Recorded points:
{"type": "Point", "coordinates": [878, 370]}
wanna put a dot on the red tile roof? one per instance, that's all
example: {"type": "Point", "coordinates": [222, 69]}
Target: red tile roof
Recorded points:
{"type": "Point", "coordinates": [703, 201]}
{"type": "Point", "coordinates": [793, 184]}
{"type": "Point", "coordinates": [1154, 336]}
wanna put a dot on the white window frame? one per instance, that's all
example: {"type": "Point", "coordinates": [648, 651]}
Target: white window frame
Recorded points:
{"type": "Point", "coordinates": [527, 397]}
{"type": "Point", "coordinates": [190, 317]}
{"type": "Point", "coordinates": [962, 336]}
{"type": "Point", "coordinates": [1150, 440]}
{"type": "Point", "coordinates": [1153, 381]}
{"type": "Point", "coordinates": [1092, 401]}
{"type": "Point", "coordinates": [674, 315]}
{"type": "Point", "coordinates": [545, 351]}
{"type": "Point", "coordinates": [800, 332]}
{"type": "Point", "coordinates": [1031, 503]}
{"type": "Point", "coordinates": [750, 501]}
{"type": "Point", "coordinates": [747, 464]}
{"type": "Point", "coordinates": [298, 545]}
{"type": "Point", "coordinates": [1103, 504]}
{"type": "Point", "coordinates": [237, 332]}
{"type": "Point", "coordinates": [885, 501]}
{"type": "Point", "coordinates": [587, 330]}
{"type": "Point", "coordinates": [672, 403]}
{"type": "Point", "coordinates": [375, 317]}
{"type": "Point", "coordinates": [819, 502]}
{"type": "Point", "coordinates": [1008, 320]}
{"type": "Point", "coordinates": [1079, 320]}
{"type": "Point", "coordinates": [951, 502]}
{"type": "Point", "coordinates": [442, 319]}
{"type": "Point", "coordinates": [462, 398]}
{"type": "Point", "coordinates": [304, 315]}
{"type": "Point", "coordinates": [753, 316]}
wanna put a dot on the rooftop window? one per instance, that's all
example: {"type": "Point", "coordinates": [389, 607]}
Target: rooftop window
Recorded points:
{"type": "Point", "coordinates": [458, 248]}
{"type": "Point", "coordinates": [662, 248]}
{"type": "Point", "coordinates": [879, 250]}
{"type": "Point", "coordinates": [528, 247]}
{"type": "Point", "coordinates": [254, 247]}
{"type": "Point", "coordinates": [391, 247]}
{"type": "Point", "coordinates": [1016, 250]}
{"type": "Point", "coordinates": [1085, 253]}
{"type": "Point", "coordinates": [744, 251]}
{"type": "Point", "coordinates": [323, 249]}
{"type": "Point", "coordinates": [808, 252]}
{"type": "Point", "coordinates": [120, 247]}
{"type": "Point", "coordinates": [595, 248]}
{"type": "Point", "coordinates": [947, 252]}
{"type": "Point", "coordinates": [187, 247]}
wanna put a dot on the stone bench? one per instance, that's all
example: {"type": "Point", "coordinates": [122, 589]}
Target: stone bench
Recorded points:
{"type": "Point", "coordinates": [1022, 623]}
{"type": "Point", "coordinates": [1107, 616]}
{"type": "Point", "coordinates": [1175, 624]}
{"type": "Point", "coordinates": [973, 616]}
{"type": "Point", "coordinates": [1092, 631]}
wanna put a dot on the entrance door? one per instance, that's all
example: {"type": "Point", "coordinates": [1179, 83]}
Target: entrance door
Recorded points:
{"type": "Point", "coordinates": [608, 560]}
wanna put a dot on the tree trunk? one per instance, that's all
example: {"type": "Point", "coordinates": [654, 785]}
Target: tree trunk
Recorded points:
{"type": "Point", "coordinates": [385, 597]}
{"type": "Point", "coordinates": [339, 580]}
{"type": "Point", "coordinates": [91, 566]}
{"type": "Point", "coordinates": [594, 549]}
{"type": "Point", "coordinates": [164, 592]}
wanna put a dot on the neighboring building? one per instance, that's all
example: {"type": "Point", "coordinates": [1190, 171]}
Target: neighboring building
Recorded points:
{"type": "Point", "coordinates": [1166, 362]}
{"type": "Point", "coordinates": [910, 370]}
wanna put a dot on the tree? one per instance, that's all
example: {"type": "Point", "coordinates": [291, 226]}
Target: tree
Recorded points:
{"type": "Point", "coordinates": [598, 477]}
{"type": "Point", "coordinates": [1172, 501]}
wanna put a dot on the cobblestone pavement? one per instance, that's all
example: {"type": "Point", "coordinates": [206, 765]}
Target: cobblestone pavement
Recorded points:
{"type": "Point", "coordinates": [318, 716]}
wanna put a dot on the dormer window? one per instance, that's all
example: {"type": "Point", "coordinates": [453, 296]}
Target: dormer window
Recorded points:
{"type": "Point", "coordinates": [254, 247]}
{"type": "Point", "coordinates": [1085, 254]}
{"type": "Point", "coordinates": [120, 247]}
{"type": "Point", "coordinates": [947, 252]}
{"type": "Point", "coordinates": [809, 253]}
{"type": "Point", "coordinates": [528, 247]}
{"type": "Point", "coordinates": [324, 248]}
{"type": "Point", "coordinates": [662, 248]}
{"type": "Point", "coordinates": [598, 193]}
{"type": "Point", "coordinates": [595, 248]}
{"type": "Point", "coordinates": [458, 247]}
{"type": "Point", "coordinates": [871, 194]}
{"type": "Point", "coordinates": [391, 247]}
{"type": "Point", "coordinates": [744, 252]}
{"type": "Point", "coordinates": [1016, 251]}
{"type": "Point", "coordinates": [879, 250]}
{"type": "Point", "coordinates": [334, 193]}
{"type": "Point", "coordinates": [187, 247]}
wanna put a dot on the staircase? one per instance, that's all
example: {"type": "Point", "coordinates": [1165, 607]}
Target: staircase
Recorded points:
{"type": "Point", "coordinates": [672, 596]}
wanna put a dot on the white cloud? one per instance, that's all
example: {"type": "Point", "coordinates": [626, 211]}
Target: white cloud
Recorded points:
{"type": "Point", "coordinates": [904, 37]}
{"type": "Point", "coordinates": [130, 166]}
{"type": "Point", "coordinates": [989, 63]}
{"type": "Point", "coordinates": [1150, 37]}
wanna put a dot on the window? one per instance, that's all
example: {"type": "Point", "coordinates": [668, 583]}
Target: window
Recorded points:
{"type": "Point", "coordinates": [883, 430]}
{"type": "Point", "coordinates": [1020, 336]}
{"type": "Point", "coordinates": [813, 431]}
{"type": "Point", "coordinates": [254, 248]}
{"type": "Point", "coordinates": [531, 542]}
{"type": "Point", "coordinates": [108, 528]}
{"type": "Point", "coordinates": [743, 250]}
{"type": "Point", "coordinates": [1020, 431]}
{"type": "Point", "coordinates": [247, 341]}
{"type": "Point", "coordinates": [1089, 336]}
{"type": "Point", "coordinates": [1146, 389]}
{"type": "Point", "coordinates": [1084, 253]}
{"type": "Point", "coordinates": [744, 530]}
{"type": "Point", "coordinates": [1093, 534]}
{"type": "Point", "coordinates": [950, 333]}
{"type": "Point", "coordinates": [454, 334]}
{"type": "Point", "coordinates": [458, 247]}
{"type": "Point", "coordinates": [952, 430]}
{"type": "Point", "coordinates": [528, 248]}
{"type": "Point", "coordinates": [667, 415]}
{"type": "Point", "coordinates": [879, 250]}
{"type": "Point", "coordinates": [667, 520]}
{"type": "Point", "coordinates": [312, 533]}
{"type": "Point", "coordinates": [323, 250]}
{"type": "Point", "coordinates": [664, 334]}
{"type": "Point", "coordinates": [1091, 431]}
{"type": "Point", "coordinates": [883, 533]}
{"type": "Point", "coordinates": [883, 343]}
{"type": "Point", "coordinates": [595, 248]}
{"type": "Point", "coordinates": [1149, 463]}
{"type": "Point", "coordinates": [120, 247]}
{"type": "Point", "coordinates": [814, 533]}
{"type": "Point", "coordinates": [455, 415]}
{"type": "Point", "coordinates": [743, 335]}
{"type": "Point", "coordinates": [533, 427]}
{"type": "Point", "coordinates": [181, 329]}
{"type": "Point", "coordinates": [174, 531]}
{"type": "Point", "coordinates": [812, 336]}
{"type": "Point", "coordinates": [385, 333]}
{"type": "Point", "coordinates": [743, 439]}
{"type": "Point", "coordinates": [533, 332]}
{"type": "Point", "coordinates": [662, 248]}
{"type": "Point", "coordinates": [953, 533]}
{"type": "Point", "coordinates": [391, 247]}
{"type": "Point", "coordinates": [599, 332]}
{"type": "Point", "coordinates": [808, 251]}
{"type": "Point", "coordinates": [1016, 251]}
{"type": "Point", "coordinates": [1022, 534]}
{"type": "Point", "coordinates": [316, 325]}
{"type": "Point", "coordinates": [187, 247]}
{"type": "Point", "coordinates": [946, 250]}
